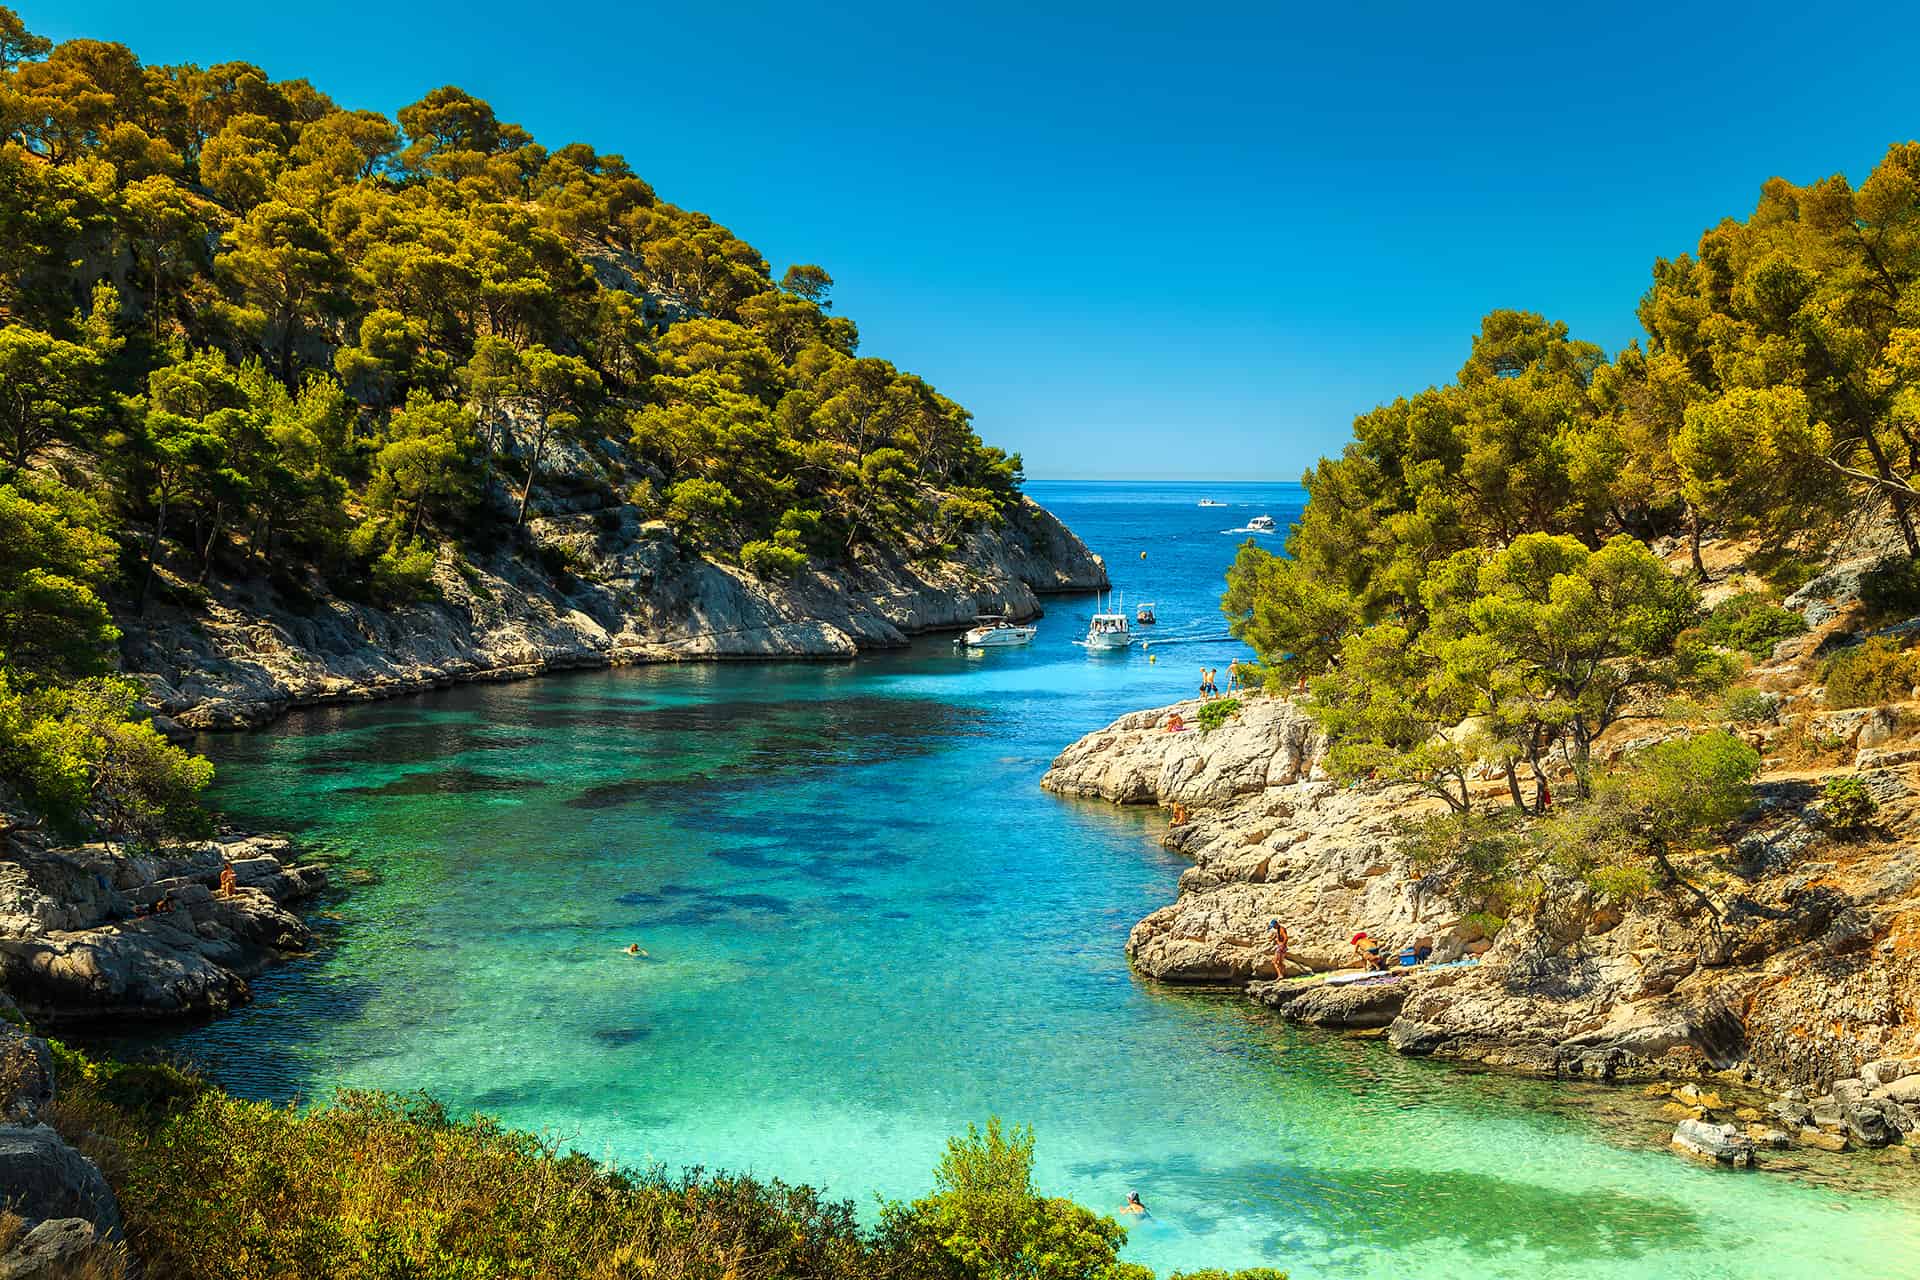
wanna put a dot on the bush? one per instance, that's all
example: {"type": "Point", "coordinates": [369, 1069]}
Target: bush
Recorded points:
{"type": "Point", "coordinates": [1847, 805]}
{"type": "Point", "coordinates": [1867, 674]}
{"type": "Point", "coordinates": [1747, 705]}
{"type": "Point", "coordinates": [1892, 587]}
{"type": "Point", "coordinates": [780, 558]}
{"type": "Point", "coordinates": [1214, 714]}
{"type": "Point", "coordinates": [985, 1219]}
{"type": "Point", "coordinates": [81, 758]}
{"type": "Point", "coordinates": [1751, 623]}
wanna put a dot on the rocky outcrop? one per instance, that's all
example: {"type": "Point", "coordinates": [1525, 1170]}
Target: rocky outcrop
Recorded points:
{"type": "Point", "coordinates": [68, 1220]}
{"type": "Point", "coordinates": [1808, 976]}
{"type": "Point", "coordinates": [92, 931]}
{"type": "Point", "coordinates": [603, 589]}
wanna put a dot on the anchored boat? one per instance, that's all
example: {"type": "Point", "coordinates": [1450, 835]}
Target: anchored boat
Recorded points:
{"type": "Point", "coordinates": [997, 632]}
{"type": "Point", "coordinates": [1107, 632]}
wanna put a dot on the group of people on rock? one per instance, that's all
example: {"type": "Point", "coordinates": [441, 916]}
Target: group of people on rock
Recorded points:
{"type": "Point", "coordinates": [1237, 682]}
{"type": "Point", "coordinates": [1366, 947]}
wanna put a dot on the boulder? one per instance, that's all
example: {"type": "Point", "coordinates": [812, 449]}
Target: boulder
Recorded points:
{"type": "Point", "coordinates": [63, 1249]}
{"type": "Point", "coordinates": [1720, 1142]}
{"type": "Point", "coordinates": [1823, 1139]}
{"type": "Point", "coordinates": [45, 1178]}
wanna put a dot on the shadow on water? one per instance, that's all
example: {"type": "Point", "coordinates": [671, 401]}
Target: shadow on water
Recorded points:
{"type": "Point", "coordinates": [445, 782]}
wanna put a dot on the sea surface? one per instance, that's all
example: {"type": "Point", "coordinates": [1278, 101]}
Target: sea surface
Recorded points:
{"type": "Point", "coordinates": [867, 926]}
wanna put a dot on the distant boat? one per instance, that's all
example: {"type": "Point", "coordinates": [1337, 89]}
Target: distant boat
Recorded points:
{"type": "Point", "coordinates": [1209, 502]}
{"type": "Point", "coordinates": [1107, 632]}
{"type": "Point", "coordinates": [1262, 524]}
{"type": "Point", "coordinates": [995, 632]}
{"type": "Point", "coordinates": [1144, 615]}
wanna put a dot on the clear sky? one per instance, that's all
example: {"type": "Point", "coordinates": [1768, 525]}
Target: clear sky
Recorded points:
{"type": "Point", "coordinates": [1167, 240]}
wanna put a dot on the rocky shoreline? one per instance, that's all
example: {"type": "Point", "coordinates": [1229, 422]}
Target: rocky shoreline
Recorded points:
{"type": "Point", "coordinates": [1800, 1004]}
{"type": "Point", "coordinates": [604, 589]}
{"type": "Point", "coordinates": [94, 932]}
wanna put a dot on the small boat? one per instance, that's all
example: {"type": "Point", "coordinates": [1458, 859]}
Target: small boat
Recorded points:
{"type": "Point", "coordinates": [1144, 614]}
{"type": "Point", "coordinates": [1107, 632]}
{"type": "Point", "coordinates": [996, 632]}
{"type": "Point", "coordinates": [1209, 502]}
{"type": "Point", "coordinates": [1262, 524]}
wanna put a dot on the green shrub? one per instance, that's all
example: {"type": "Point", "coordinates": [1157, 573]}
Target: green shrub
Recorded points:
{"type": "Point", "coordinates": [82, 757]}
{"type": "Point", "coordinates": [403, 574]}
{"type": "Point", "coordinates": [780, 558]}
{"type": "Point", "coordinates": [1867, 674]}
{"type": "Point", "coordinates": [1892, 587]}
{"type": "Point", "coordinates": [1747, 705]}
{"type": "Point", "coordinates": [1216, 713]}
{"type": "Point", "coordinates": [985, 1219]}
{"type": "Point", "coordinates": [1751, 623]}
{"type": "Point", "coordinates": [1847, 804]}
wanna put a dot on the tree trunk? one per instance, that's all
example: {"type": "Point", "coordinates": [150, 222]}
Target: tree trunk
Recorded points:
{"type": "Point", "coordinates": [1693, 544]}
{"type": "Point", "coordinates": [153, 551]}
{"type": "Point", "coordinates": [1900, 511]}
{"type": "Point", "coordinates": [206, 548]}
{"type": "Point", "coordinates": [533, 469]}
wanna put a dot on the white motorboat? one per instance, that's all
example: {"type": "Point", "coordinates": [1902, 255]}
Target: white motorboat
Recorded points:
{"type": "Point", "coordinates": [1262, 524]}
{"type": "Point", "coordinates": [1107, 632]}
{"type": "Point", "coordinates": [995, 632]}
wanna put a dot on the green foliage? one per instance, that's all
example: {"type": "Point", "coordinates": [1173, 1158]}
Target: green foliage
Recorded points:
{"type": "Point", "coordinates": [1748, 705]}
{"type": "Point", "coordinates": [55, 560]}
{"type": "Point", "coordinates": [779, 558]}
{"type": "Point", "coordinates": [81, 757]}
{"type": "Point", "coordinates": [1864, 675]}
{"type": "Point", "coordinates": [1846, 804]}
{"type": "Point", "coordinates": [1482, 857]}
{"type": "Point", "coordinates": [1216, 713]}
{"type": "Point", "coordinates": [1752, 624]}
{"type": "Point", "coordinates": [985, 1219]}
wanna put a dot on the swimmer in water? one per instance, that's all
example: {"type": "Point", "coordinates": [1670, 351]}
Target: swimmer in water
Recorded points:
{"type": "Point", "coordinates": [1133, 1205]}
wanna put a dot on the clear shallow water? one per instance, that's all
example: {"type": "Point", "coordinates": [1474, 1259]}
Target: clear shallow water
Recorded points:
{"type": "Point", "coordinates": [868, 926]}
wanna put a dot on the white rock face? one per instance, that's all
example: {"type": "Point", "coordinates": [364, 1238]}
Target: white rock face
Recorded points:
{"type": "Point", "coordinates": [1135, 760]}
{"type": "Point", "coordinates": [630, 595]}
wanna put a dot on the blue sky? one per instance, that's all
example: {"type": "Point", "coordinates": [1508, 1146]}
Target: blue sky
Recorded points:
{"type": "Point", "coordinates": [1186, 241]}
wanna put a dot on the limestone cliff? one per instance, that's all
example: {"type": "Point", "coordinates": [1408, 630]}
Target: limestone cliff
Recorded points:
{"type": "Point", "coordinates": [617, 591]}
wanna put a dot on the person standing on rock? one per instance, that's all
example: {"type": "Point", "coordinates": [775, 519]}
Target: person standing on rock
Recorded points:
{"type": "Point", "coordinates": [1277, 934]}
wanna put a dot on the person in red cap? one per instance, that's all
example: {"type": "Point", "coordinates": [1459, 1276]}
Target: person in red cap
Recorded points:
{"type": "Point", "coordinates": [1369, 951]}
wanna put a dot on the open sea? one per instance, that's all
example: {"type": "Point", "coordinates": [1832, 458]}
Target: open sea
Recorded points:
{"type": "Point", "coordinates": [867, 926]}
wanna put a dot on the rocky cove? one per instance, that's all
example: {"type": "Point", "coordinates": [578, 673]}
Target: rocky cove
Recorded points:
{"type": "Point", "coordinates": [1789, 1022]}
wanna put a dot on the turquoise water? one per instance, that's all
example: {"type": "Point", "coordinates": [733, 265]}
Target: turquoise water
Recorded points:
{"type": "Point", "coordinates": [868, 926]}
